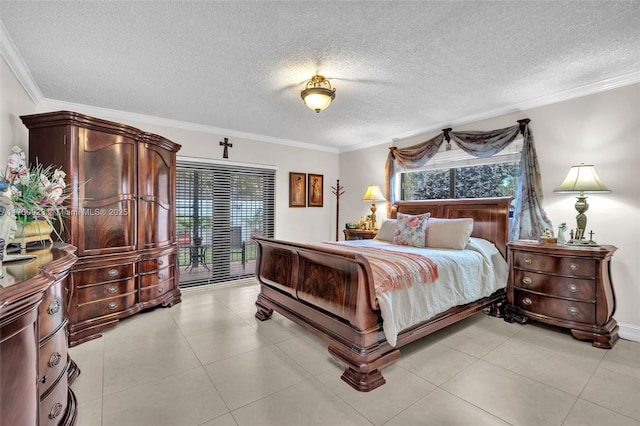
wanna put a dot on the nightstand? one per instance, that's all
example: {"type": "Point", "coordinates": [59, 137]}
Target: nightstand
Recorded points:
{"type": "Point", "coordinates": [359, 234]}
{"type": "Point", "coordinates": [566, 286]}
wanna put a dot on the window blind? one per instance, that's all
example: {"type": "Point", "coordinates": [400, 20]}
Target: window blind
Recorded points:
{"type": "Point", "coordinates": [219, 208]}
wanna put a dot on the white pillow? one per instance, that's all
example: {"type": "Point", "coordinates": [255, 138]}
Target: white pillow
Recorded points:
{"type": "Point", "coordinates": [387, 230]}
{"type": "Point", "coordinates": [449, 233]}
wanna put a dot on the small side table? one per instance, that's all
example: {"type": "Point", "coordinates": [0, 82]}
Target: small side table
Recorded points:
{"type": "Point", "coordinates": [359, 234]}
{"type": "Point", "coordinates": [566, 286]}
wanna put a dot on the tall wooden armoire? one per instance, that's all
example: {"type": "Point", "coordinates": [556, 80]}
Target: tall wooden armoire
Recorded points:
{"type": "Point", "coordinates": [121, 215]}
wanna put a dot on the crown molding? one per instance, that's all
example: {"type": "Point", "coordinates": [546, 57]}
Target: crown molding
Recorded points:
{"type": "Point", "coordinates": [16, 63]}
{"type": "Point", "coordinates": [565, 95]}
{"type": "Point", "coordinates": [118, 115]}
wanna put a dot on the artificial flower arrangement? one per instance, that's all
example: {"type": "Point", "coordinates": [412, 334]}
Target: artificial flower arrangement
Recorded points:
{"type": "Point", "coordinates": [37, 192]}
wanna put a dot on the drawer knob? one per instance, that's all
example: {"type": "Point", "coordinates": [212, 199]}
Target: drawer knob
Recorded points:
{"type": "Point", "coordinates": [572, 288]}
{"type": "Point", "coordinates": [54, 307]}
{"type": "Point", "coordinates": [161, 276]}
{"type": "Point", "coordinates": [160, 262]}
{"type": "Point", "coordinates": [527, 280]}
{"type": "Point", "coordinates": [160, 289]}
{"type": "Point", "coordinates": [112, 289]}
{"type": "Point", "coordinates": [574, 266]}
{"type": "Point", "coordinates": [528, 260]}
{"type": "Point", "coordinates": [55, 411]}
{"type": "Point", "coordinates": [112, 305]}
{"type": "Point", "coordinates": [113, 272]}
{"type": "Point", "coordinates": [527, 301]}
{"type": "Point", "coordinates": [573, 311]}
{"type": "Point", "coordinates": [54, 359]}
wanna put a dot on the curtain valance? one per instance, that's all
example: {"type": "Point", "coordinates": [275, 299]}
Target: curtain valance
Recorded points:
{"type": "Point", "coordinates": [530, 219]}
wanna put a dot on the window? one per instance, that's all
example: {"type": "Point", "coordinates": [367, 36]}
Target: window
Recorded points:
{"type": "Point", "coordinates": [456, 174]}
{"type": "Point", "coordinates": [219, 208]}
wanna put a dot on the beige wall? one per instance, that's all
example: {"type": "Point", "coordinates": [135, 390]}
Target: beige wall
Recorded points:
{"type": "Point", "coordinates": [14, 102]}
{"type": "Point", "coordinates": [601, 129]}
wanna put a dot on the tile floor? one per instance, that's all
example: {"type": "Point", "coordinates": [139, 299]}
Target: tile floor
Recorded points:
{"type": "Point", "coordinates": [208, 361]}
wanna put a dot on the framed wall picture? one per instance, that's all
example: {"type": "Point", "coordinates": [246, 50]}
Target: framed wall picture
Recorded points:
{"type": "Point", "coordinates": [297, 189]}
{"type": "Point", "coordinates": [315, 198]}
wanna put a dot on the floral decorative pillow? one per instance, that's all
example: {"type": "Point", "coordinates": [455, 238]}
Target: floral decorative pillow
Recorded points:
{"type": "Point", "coordinates": [411, 230]}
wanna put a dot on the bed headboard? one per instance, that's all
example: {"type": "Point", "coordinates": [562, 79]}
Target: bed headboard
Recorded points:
{"type": "Point", "coordinates": [490, 215]}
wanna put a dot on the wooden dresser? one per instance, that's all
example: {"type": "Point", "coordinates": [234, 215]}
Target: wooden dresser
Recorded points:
{"type": "Point", "coordinates": [121, 215]}
{"type": "Point", "coordinates": [567, 286]}
{"type": "Point", "coordinates": [35, 369]}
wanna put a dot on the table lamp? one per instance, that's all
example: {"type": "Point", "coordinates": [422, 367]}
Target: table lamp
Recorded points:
{"type": "Point", "coordinates": [581, 179]}
{"type": "Point", "coordinates": [373, 195]}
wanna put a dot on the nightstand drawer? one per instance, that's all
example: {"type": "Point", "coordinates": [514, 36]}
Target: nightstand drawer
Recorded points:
{"type": "Point", "coordinates": [573, 267]}
{"type": "Point", "coordinates": [557, 308]}
{"type": "Point", "coordinates": [359, 234]}
{"type": "Point", "coordinates": [572, 288]}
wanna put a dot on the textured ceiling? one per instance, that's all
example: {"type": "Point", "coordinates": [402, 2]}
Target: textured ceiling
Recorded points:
{"type": "Point", "coordinates": [400, 68]}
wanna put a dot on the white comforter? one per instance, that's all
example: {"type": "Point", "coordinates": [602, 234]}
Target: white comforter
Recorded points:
{"type": "Point", "coordinates": [464, 276]}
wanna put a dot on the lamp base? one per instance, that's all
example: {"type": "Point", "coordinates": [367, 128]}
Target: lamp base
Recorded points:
{"type": "Point", "coordinates": [574, 242]}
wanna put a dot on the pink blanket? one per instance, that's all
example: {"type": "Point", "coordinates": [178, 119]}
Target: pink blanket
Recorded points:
{"type": "Point", "coordinates": [393, 270]}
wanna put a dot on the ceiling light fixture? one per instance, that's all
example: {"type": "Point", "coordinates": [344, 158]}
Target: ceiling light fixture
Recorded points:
{"type": "Point", "coordinates": [318, 93]}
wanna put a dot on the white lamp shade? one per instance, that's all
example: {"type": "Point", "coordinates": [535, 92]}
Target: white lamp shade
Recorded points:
{"type": "Point", "coordinates": [582, 178]}
{"type": "Point", "coordinates": [373, 194]}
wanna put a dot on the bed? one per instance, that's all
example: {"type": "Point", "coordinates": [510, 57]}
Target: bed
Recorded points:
{"type": "Point", "coordinates": [329, 289]}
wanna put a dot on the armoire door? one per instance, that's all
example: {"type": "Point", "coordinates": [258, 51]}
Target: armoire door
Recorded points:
{"type": "Point", "coordinates": [156, 189]}
{"type": "Point", "coordinates": [106, 191]}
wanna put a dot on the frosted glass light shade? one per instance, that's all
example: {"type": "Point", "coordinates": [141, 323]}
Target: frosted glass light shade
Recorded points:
{"type": "Point", "coordinates": [318, 93]}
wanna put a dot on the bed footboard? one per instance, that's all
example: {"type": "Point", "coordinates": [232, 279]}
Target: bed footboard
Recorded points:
{"type": "Point", "coordinates": [331, 294]}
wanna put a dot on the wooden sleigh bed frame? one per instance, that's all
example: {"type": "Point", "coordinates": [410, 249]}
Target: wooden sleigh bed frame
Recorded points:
{"type": "Point", "coordinates": [331, 293]}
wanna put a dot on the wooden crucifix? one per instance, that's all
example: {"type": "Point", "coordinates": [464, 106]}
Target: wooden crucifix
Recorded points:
{"type": "Point", "coordinates": [337, 191]}
{"type": "Point", "coordinates": [227, 145]}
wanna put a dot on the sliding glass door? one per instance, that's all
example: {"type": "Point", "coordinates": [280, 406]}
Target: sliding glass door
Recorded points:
{"type": "Point", "coordinates": [219, 209]}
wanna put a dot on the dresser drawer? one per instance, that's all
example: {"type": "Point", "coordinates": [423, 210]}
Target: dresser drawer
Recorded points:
{"type": "Point", "coordinates": [155, 292]}
{"type": "Point", "coordinates": [572, 267]}
{"type": "Point", "coordinates": [151, 265]}
{"type": "Point", "coordinates": [97, 291]}
{"type": "Point", "coordinates": [53, 360]}
{"type": "Point", "coordinates": [557, 308]}
{"type": "Point", "coordinates": [104, 307]}
{"type": "Point", "coordinates": [572, 288]}
{"type": "Point", "coordinates": [53, 309]}
{"type": "Point", "coordinates": [99, 275]}
{"type": "Point", "coordinates": [155, 277]}
{"type": "Point", "coordinates": [54, 406]}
